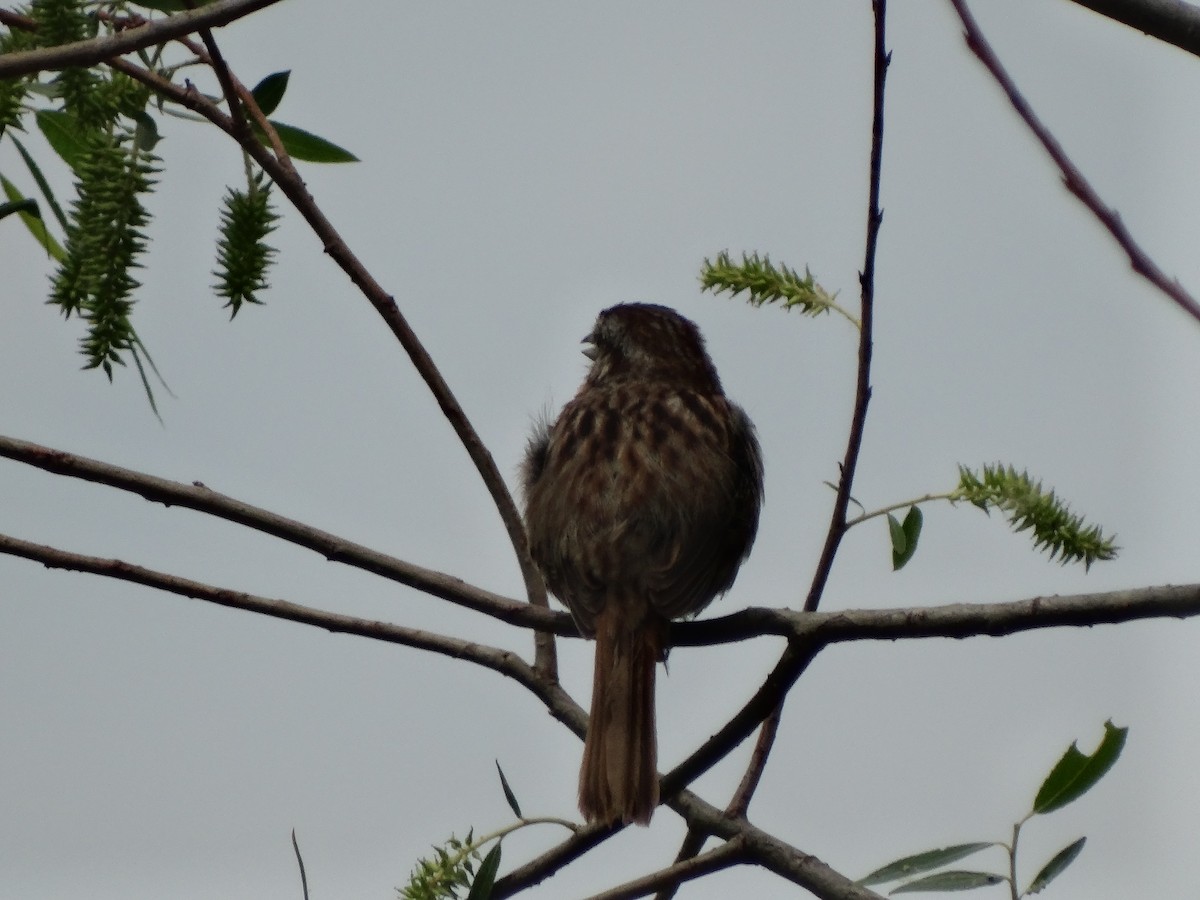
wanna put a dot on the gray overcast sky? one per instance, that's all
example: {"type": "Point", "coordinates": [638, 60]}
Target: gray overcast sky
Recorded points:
{"type": "Point", "coordinates": [525, 165]}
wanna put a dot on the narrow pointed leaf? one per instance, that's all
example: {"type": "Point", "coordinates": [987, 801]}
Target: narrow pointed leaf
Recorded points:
{"type": "Point", "coordinates": [306, 146]}
{"type": "Point", "coordinates": [950, 881]}
{"type": "Point", "coordinates": [43, 185]}
{"type": "Point", "coordinates": [1075, 774]}
{"type": "Point", "coordinates": [922, 862]}
{"type": "Point", "coordinates": [63, 134]}
{"type": "Point", "coordinates": [1054, 868]}
{"type": "Point", "coordinates": [508, 794]}
{"type": "Point", "coordinates": [481, 887]}
{"type": "Point", "coordinates": [32, 217]}
{"type": "Point", "coordinates": [269, 92]}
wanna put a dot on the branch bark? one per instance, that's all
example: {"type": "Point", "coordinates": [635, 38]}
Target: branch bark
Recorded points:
{"type": "Point", "coordinates": [155, 31]}
{"type": "Point", "coordinates": [866, 279]}
{"type": "Point", "coordinates": [494, 658]}
{"type": "Point", "coordinates": [284, 174]}
{"type": "Point", "coordinates": [1172, 21]}
{"type": "Point", "coordinates": [198, 497]}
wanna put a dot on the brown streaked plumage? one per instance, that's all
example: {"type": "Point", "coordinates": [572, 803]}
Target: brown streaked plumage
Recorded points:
{"type": "Point", "coordinates": [641, 502]}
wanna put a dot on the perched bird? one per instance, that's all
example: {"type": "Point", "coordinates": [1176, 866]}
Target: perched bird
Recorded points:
{"type": "Point", "coordinates": [641, 502]}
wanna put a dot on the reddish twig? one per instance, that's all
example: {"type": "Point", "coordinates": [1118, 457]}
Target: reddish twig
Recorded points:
{"type": "Point", "coordinates": [1072, 177]}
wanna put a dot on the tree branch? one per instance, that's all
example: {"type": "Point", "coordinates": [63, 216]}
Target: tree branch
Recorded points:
{"type": "Point", "coordinates": [722, 857]}
{"type": "Point", "coordinates": [153, 32]}
{"type": "Point", "coordinates": [284, 174]}
{"type": "Point", "coordinates": [334, 548]}
{"type": "Point", "coordinates": [494, 658]}
{"type": "Point", "coordinates": [770, 852]}
{"type": "Point", "coordinates": [1072, 177]}
{"type": "Point", "coordinates": [866, 280]}
{"type": "Point", "coordinates": [957, 620]}
{"type": "Point", "coordinates": [1172, 21]}
{"type": "Point", "coordinates": [294, 188]}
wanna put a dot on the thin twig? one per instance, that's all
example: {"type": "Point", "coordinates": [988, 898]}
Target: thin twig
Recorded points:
{"type": "Point", "coordinates": [101, 49]}
{"type": "Point", "coordinates": [1139, 260]}
{"type": "Point", "coordinates": [300, 862]}
{"type": "Point", "coordinates": [284, 174]}
{"type": "Point", "coordinates": [694, 840]}
{"type": "Point", "coordinates": [866, 280]}
{"type": "Point", "coordinates": [225, 78]}
{"type": "Point", "coordinates": [771, 853]}
{"type": "Point", "coordinates": [791, 665]}
{"type": "Point", "coordinates": [494, 658]}
{"type": "Point", "coordinates": [334, 548]}
{"type": "Point", "coordinates": [740, 803]}
{"type": "Point", "coordinates": [722, 857]}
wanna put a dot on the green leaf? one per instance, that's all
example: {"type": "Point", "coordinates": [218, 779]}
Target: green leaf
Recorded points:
{"type": "Point", "coordinates": [146, 135]}
{"type": "Point", "coordinates": [64, 135]}
{"type": "Point", "coordinates": [27, 209]}
{"type": "Point", "coordinates": [306, 146]}
{"type": "Point", "coordinates": [1075, 774]}
{"type": "Point", "coordinates": [1054, 868]}
{"type": "Point", "coordinates": [951, 881]}
{"type": "Point", "coordinates": [268, 92]}
{"type": "Point", "coordinates": [905, 537]}
{"type": "Point", "coordinates": [899, 538]}
{"type": "Point", "coordinates": [43, 185]}
{"type": "Point", "coordinates": [481, 887]}
{"type": "Point", "coordinates": [508, 794]}
{"type": "Point", "coordinates": [922, 862]}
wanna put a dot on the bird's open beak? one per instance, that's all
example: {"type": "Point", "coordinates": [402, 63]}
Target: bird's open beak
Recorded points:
{"type": "Point", "coordinates": [590, 350]}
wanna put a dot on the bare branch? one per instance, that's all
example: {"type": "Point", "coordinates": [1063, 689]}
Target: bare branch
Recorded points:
{"type": "Point", "coordinates": [957, 620]}
{"type": "Point", "coordinates": [866, 279]}
{"type": "Point", "coordinates": [155, 31]}
{"type": "Point", "coordinates": [1172, 21]}
{"type": "Point", "coordinates": [494, 658]}
{"type": "Point", "coordinates": [722, 857]}
{"type": "Point", "coordinates": [1072, 177]}
{"type": "Point", "coordinates": [770, 852]}
{"type": "Point", "coordinates": [294, 188]}
{"type": "Point", "coordinates": [334, 548]}
{"type": "Point", "coordinates": [740, 803]}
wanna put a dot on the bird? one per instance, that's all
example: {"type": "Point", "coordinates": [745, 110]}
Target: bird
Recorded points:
{"type": "Point", "coordinates": [641, 502]}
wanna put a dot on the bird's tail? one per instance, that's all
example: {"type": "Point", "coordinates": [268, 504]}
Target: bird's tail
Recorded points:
{"type": "Point", "coordinates": [619, 777]}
